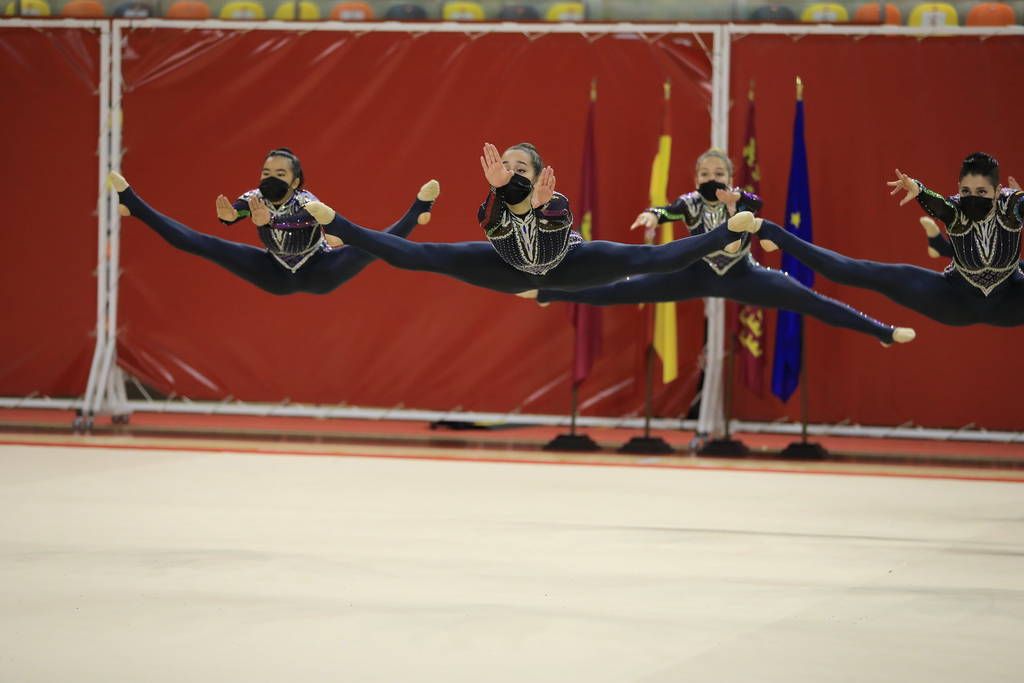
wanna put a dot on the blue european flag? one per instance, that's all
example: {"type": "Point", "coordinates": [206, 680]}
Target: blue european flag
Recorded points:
{"type": "Point", "coordinates": [789, 332]}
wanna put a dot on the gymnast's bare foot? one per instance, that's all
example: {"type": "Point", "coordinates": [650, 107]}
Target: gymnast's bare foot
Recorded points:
{"type": "Point", "coordinates": [119, 184]}
{"type": "Point", "coordinates": [901, 335]}
{"type": "Point", "coordinates": [430, 191]}
{"type": "Point", "coordinates": [322, 213]}
{"type": "Point", "coordinates": [931, 229]}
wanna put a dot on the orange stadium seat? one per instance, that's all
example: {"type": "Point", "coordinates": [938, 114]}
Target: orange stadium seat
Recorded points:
{"type": "Point", "coordinates": [871, 13]}
{"type": "Point", "coordinates": [189, 9]}
{"type": "Point", "coordinates": [83, 9]}
{"type": "Point", "coordinates": [991, 14]}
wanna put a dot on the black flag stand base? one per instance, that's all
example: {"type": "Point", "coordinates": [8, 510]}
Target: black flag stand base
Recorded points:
{"type": "Point", "coordinates": [647, 444]}
{"type": "Point", "coordinates": [576, 443]}
{"type": "Point", "coordinates": [804, 450]}
{"type": "Point", "coordinates": [724, 448]}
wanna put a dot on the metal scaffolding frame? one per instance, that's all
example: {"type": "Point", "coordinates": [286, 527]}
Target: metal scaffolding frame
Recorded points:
{"type": "Point", "coordinates": [105, 391]}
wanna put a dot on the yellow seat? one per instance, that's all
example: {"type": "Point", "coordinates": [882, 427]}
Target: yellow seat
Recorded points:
{"type": "Point", "coordinates": [29, 8]}
{"type": "Point", "coordinates": [871, 13]}
{"type": "Point", "coordinates": [825, 13]}
{"type": "Point", "coordinates": [991, 14]}
{"type": "Point", "coordinates": [567, 11]}
{"type": "Point", "coordinates": [933, 14]}
{"type": "Point", "coordinates": [462, 11]}
{"type": "Point", "coordinates": [82, 9]}
{"type": "Point", "coordinates": [243, 10]}
{"type": "Point", "coordinates": [352, 11]}
{"type": "Point", "coordinates": [308, 11]}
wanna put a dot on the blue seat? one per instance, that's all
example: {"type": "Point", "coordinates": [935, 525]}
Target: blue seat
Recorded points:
{"type": "Point", "coordinates": [518, 13]}
{"type": "Point", "coordinates": [773, 13]}
{"type": "Point", "coordinates": [135, 10]}
{"type": "Point", "coordinates": [406, 12]}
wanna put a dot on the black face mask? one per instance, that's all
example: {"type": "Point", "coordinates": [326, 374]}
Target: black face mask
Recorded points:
{"type": "Point", "coordinates": [708, 189]}
{"type": "Point", "coordinates": [274, 189]}
{"type": "Point", "coordinates": [975, 208]}
{"type": "Point", "coordinates": [515, 190]}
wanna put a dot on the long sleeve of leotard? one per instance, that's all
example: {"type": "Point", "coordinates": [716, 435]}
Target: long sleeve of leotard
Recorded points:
{"type": "Point", "coordinates": [942, 245]}
{"type": "Point", "coordinates": [490, 212]}
{"type": "Point", "coordinates": [1015, 206]}
{"type": "Point", "coordinates": [750, 202]}
{"type": "Point", "coordinates": [679, 210]}
{"type": "Point", "coordinates": [241, 205]}
{"type": "Point", "coordinates": [935, 205]}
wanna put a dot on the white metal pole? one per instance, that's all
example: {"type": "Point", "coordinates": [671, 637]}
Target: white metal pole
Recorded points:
{"type": "Point", "coordinates": [472, 28]}
{"type": "Point", "coordinates": [95, 384]}
{"type": "Point", "coordinates": [710, 420]}
{"type": "Point", "coordinates": [111, 398]}
{"type": "Point", "coordinates": [720, 130]}
{"type": "Point", "coordinates": [872, 30]}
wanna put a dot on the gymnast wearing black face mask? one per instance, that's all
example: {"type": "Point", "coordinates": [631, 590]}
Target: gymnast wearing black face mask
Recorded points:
{"type": "Point", "coordinates": [299, 256]}
{"type": "Point", "coordinates": [530, 241]}
{"type": "Point", "coordinates": [737, 276]}
{"type": "Point", "coordinates": [984, 283]}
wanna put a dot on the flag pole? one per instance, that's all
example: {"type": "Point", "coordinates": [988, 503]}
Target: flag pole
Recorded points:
{"type": "Point", "coordinates": [575, 409]}
{"type": "Point", "coordinates": [572, 441]}
{"type": "Point", "coordinates": [646, 444]}
{"type": "Point", "coordinates": [803, 449]}
{"type": "Point", "coordinates": [803, 396]}
{"type": "Point", "coordinates": [578, 443]}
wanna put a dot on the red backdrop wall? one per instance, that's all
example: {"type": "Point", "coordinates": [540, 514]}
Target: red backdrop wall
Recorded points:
{"type": "Point", "coordinates": [872, 105]}
{"type": "Point", "coordinates": [375, 115]}
{"type": "Point", "coordinates": [50, 179]}
{"type": "Point", "coordinates": [372, 117]}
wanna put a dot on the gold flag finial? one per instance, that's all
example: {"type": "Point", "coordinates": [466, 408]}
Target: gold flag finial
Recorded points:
{"type": "Point", "coordinates": [593, 90]}
{"type": "Point", "coordinates": [799, 89]}
{"type": "Point", "coordinates": [668, 89]}
{"type": "Point", "coordinates": [750, 91]}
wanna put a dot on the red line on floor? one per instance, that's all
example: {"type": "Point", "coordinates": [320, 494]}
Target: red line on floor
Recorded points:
{"type": "Point", "coordinates": [1016, 479]}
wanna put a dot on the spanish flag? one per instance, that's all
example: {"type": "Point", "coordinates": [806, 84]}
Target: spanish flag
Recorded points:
{"type": "Point", "coordinates": [664, 313]}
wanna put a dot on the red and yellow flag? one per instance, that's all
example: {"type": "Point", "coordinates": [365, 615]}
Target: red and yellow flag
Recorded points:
{"type": "Point", "coordinates": [751, 321]}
